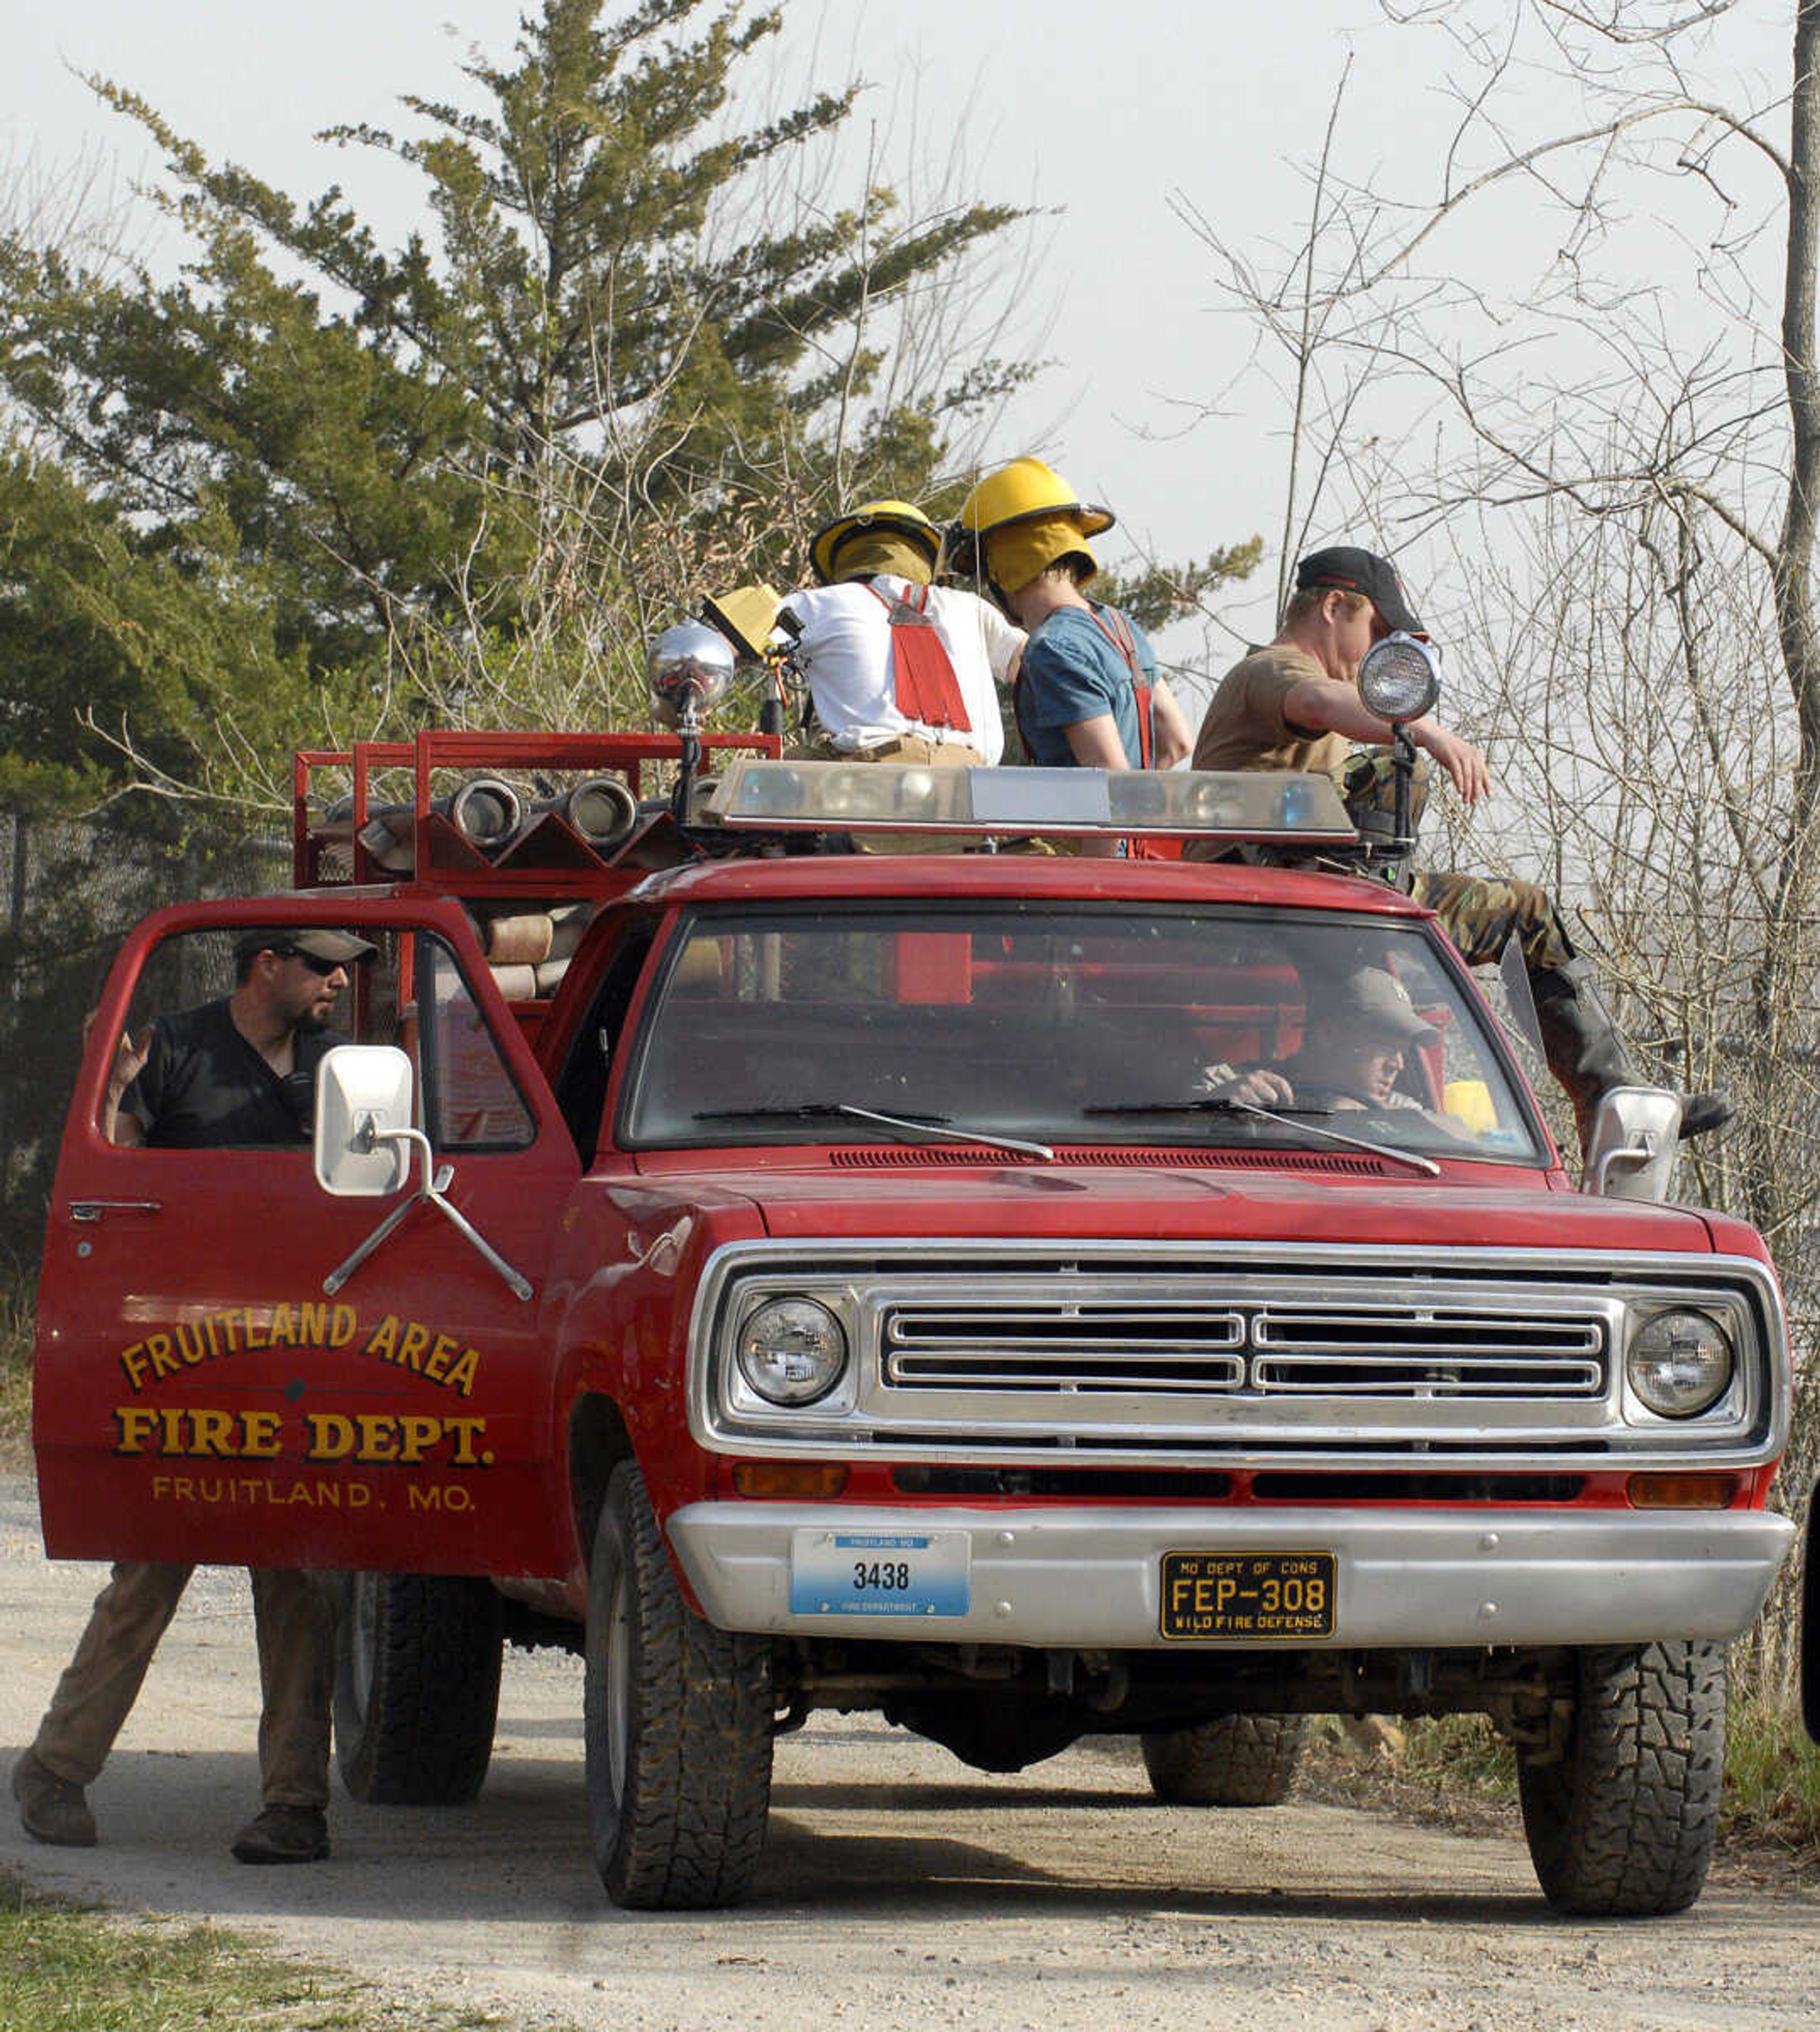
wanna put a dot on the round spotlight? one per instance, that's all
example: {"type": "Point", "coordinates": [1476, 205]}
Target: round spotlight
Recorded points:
{"type": "Point", "coordinates": [690, 662]}
{"type": "Point", "coordinates": [1399, 678]}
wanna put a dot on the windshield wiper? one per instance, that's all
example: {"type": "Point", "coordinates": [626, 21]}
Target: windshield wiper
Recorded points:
{"type": "Point", "coordinates": [1292, 1118]}
{"type": "Point", "coordinates": [931, 1127]}
{"type": "Point", "coordinates": [1204, 1104]}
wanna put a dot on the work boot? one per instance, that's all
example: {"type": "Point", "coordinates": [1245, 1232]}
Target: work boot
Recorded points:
{"type": "Point", "coordinates": [51, 1808]}
{"type": "Point", "coordinates": [1587, 1056]}
{"type": "Point", "coordinates": [283, 1834]}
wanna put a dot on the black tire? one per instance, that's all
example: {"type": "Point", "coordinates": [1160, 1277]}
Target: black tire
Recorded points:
{"type": "Point", "coordinates": [677, 1721]}
{"type": "Point", "coordinates": [416, 1687]}
{"type": "Point", "coordinates": [1811, 1617]}
{"type": "Point", "coordinates": [1233, 1761]}
{"type": "Point", "coordinates": [1623, 1825]}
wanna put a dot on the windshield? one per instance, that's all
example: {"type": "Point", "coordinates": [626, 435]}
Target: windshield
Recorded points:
{"type": "Point", "coordinates": [1072, 1024]}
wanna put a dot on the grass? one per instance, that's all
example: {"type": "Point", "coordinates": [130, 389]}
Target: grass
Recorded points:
{"type": "Point", "coordinates": [1772, 1778]}
{"type": "Point", "coordinates": [1458, 1763]}
{"type": "Point", "coordinates": [1463, 1753]}
{"type": "Point", "coordinates": [16, 1315]}
{"type": "Point", "coordinates": [66, 1967]}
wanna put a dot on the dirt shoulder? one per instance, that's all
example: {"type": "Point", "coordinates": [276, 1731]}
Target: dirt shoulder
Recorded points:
{"type": "Point", "coordinates": [900, 1889]}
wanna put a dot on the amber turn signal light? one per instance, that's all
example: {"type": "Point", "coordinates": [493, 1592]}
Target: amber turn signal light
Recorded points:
{"type": "Point", "coordinates": [789, 1477]}
{"type": "Point", "coordinates": [1682, 1492]}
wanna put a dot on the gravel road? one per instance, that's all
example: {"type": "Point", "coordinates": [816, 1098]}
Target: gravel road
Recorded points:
{"type": "Point", "coordinates": [901, 1889]}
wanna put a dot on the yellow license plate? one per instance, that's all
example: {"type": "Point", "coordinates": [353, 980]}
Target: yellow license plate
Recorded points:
{"type": "Point", "coordinates": [1268, 1597]}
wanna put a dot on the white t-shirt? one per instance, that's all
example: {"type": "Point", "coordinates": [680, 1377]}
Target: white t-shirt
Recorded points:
{"type": "Point", "coordinates": [845, 651]}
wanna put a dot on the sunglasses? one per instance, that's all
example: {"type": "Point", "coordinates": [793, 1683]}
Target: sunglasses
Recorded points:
{"type": "Point", "coordinates": [324, 967]}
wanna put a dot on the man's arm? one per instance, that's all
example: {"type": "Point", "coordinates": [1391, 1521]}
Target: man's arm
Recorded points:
{"type": "Point", "coordinates": [1002, 640]}
{"type": "Point", "coordinates": [1323, 705]}
{"type": "Point", "coordinates": [1170, 739]}
{"type": "Point", "coordinates": [1095, 744]}
{"type": "Point", "coordinates": [129, 1063]}
{"type": "Point", "coordinates": [1259, 1086]}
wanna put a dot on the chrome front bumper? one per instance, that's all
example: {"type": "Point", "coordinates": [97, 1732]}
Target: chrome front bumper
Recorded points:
{"type": "Point", "coordinates": [1068, 1578]}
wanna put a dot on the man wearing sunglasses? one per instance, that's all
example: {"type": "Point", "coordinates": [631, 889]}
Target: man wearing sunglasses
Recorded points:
{"type": "Point", "coordinates": [235, 1073]}
{"type": "Point", "coordinates": [239, 1072]}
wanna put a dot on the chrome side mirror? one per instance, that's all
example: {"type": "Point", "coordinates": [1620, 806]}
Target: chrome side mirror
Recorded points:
{"type": "Point", "coordinates": [363, 1102]}
{"type": "Point", "coordinates": [1634, 1142]}
{"type": "Point", "coordinates": [364, 1141]}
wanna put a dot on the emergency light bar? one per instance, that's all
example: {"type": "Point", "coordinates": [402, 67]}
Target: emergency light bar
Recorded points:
{"type": "Point", "coordinates": [858, 797]}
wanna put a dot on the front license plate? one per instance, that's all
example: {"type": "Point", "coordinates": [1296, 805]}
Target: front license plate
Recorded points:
{"type": "Point", "coordinates": [879, 1573]}
{"type": "Point", "coordinates": [1259, 1595]}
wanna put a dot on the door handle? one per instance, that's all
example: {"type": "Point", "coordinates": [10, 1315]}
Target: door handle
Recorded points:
{"type": "Point", "coordinates": [90, 1211]}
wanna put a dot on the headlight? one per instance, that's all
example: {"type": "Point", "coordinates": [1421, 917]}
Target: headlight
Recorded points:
{"type": "Point", "coordinates": [791, 1351]}
{"type": "Point", "coordinates": [1679, 1363]}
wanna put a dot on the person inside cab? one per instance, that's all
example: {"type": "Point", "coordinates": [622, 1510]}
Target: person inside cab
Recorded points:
{"type": "Point", "coordinates": [1353, 1055]}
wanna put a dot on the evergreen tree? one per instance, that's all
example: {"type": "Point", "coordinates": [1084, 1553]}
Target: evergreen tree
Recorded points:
{"type": "Point", "coordinates": [466, 476]}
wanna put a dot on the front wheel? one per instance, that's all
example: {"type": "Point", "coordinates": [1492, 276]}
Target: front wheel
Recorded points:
{"type": "Point", "coordinates": [1622, 1824]}
{"type": "Point", "coordinates": [1232, 1760]}
{"type": "Point", "coordinates": [418, 1688]}
{"type": "Point", "coordinates": [677, 1722]}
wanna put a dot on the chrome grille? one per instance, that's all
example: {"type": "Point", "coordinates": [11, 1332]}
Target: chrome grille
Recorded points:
{"type": "Point", "coordinates": [1407, 1351]}
{"type": "Point", "coordinates": [1071, 1347]}
{"type": "Point", "coordinates": [1264, 1349]}
{"type": "Point", "coordinates": [1178, 1355]}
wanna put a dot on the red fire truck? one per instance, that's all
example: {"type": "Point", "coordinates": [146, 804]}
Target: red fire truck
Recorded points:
{"type": "Point", "coordinates": [803, 1278]}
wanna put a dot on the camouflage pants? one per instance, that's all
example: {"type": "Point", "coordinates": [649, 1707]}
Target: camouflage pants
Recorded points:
{"type": "Point", "coordinates": [1481, 915]}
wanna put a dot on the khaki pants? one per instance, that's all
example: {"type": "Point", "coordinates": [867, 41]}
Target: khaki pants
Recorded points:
{"type": "Point", "coordinates": [906, 748]}
{"type": "Point", "coordinates": [294, 1620]}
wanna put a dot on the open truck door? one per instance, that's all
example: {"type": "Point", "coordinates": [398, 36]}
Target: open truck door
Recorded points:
{"type": "Point", "coordinates": [230, 1368]}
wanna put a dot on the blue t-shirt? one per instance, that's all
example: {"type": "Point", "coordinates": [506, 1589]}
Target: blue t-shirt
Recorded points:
{"type": "Point", "coordinates": [1071, 672]}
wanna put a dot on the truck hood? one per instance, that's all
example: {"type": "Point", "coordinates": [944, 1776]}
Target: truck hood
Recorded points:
{"type": "Point", "coordinates": [1146, 1202]}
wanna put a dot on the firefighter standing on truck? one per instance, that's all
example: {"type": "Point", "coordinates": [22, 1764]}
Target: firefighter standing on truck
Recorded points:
{"type": "Point", "coordinates": [898, 670]}
{"type": "Point", "coordinates": [1087, 695]}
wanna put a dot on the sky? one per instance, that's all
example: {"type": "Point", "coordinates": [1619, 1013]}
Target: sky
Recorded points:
{"type": "Point", "coordinates": [1121, 115]}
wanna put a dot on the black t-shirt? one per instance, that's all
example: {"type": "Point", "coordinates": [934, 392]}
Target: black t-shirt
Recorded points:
{"type": "Point", "coordinates": [205, 1087]}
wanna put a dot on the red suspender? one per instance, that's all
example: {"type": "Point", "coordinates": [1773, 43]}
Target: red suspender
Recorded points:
{"type": "Point", "coordinates": [927, 689]}
{"type": "Point", "coordinates": [1120, 635]}
{"type": "Point", "coordinates": [1018, 712]}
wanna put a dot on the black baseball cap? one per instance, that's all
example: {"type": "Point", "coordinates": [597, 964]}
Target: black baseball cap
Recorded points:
{"type": "Point", "coordinates": [1361, 571]}
{"type": "Point", "coordinates": [339, 948]}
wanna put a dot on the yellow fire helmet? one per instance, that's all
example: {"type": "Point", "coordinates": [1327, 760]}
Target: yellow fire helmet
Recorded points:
{"type": "Point", "coordinates": [1023, 494]}
{"type": "Point", "coordinates": [902, 520]}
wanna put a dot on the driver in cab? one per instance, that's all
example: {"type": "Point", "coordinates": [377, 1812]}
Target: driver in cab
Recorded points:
{"type": "Point", "coordinates": [1351, 1057]}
